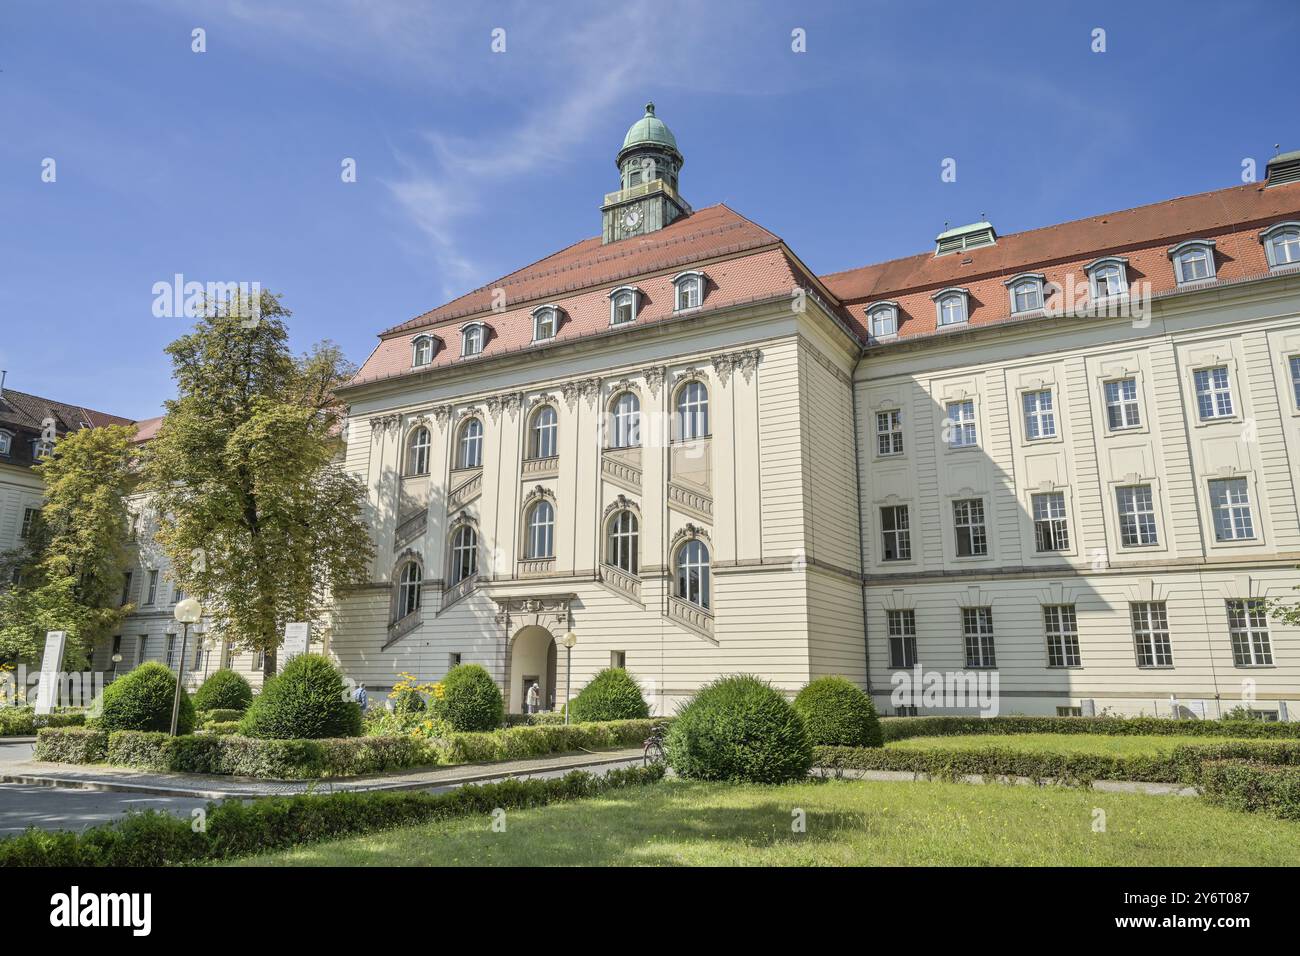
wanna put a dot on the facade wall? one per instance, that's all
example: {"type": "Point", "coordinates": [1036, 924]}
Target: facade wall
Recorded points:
{"type": "Point", "coordinates": [20, 489]}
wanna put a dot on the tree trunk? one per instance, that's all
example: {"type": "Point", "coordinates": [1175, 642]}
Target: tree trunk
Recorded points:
{"type": "Point", "coordinates": [268, 665]}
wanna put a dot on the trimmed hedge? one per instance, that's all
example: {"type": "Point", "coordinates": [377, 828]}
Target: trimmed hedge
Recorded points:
{"type": "Point", "coordinates": [901, 728]}
{"type": "Point", "coordinates": [235, 828]}
{"type": "Point", "coordinates": [142, 700]}
{"type": "Point", "coordinates": [224, 690]}
{"type": "Point", "coordinates": [519, 743]}
{"type": "Point", "coordinates": [220, 727]}
{"type": "Point", "coordinates": [305, 701]}
{"type": "Point", "coordinates": [24, 721]}
{"type": "Point", "coordinates": [1253, 787]}
{"type": "Point", "coordinates": [613, 694]}
{"type": "Point", "coordinates": [1182, 764]}
{"type": "Point", "coordinates": [71, 745]}
{"type": "Point", "coordinates": [471, 700]}
{"type": "Point", "coordinates": [541, 718]}
{"type": "Point", "coordinates": [218, 715]}
{"type": "Point", "coordinates": [838, 713]}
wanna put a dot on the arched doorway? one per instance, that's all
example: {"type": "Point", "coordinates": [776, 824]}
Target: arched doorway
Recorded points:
{"type": "Point", "coordinates": [532, 659]}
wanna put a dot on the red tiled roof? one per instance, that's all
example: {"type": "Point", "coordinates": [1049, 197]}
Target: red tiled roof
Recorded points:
{"type": "Point", "coordinates": [1144, 235]}
{"type": "Point", "coordinates": [146, 428]}
{"type": "Point", "coordinates": [25, 415]}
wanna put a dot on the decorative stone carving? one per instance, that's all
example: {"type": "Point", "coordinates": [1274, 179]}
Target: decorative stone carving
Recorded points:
{"type": "Point", "coordinates": [494, 404]}
{"type": "Point", "coordinates": [654, 379]}
{"type": "Point", "coordinates": [570, 392]}
{"type": "Point", "coordinates": [382, 423]}
{"type": "Point", "coordinates": [442, 415]}
{"type": "Point", "coordinates": [621, 503]}
{"type": "Point", "coordinates": [538, 492]}
{"type": "Point", "coordinates": [689, 532]}
{"type": "Point", "coordinates": [589, 388]}
{"type": "Point", "coordinates": [550, 611]}
{"type": "Point", "coordinates": [743, 361]}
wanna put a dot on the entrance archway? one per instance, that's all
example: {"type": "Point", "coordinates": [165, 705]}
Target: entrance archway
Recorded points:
{"type": "Point", "coordinates": [532, 658]}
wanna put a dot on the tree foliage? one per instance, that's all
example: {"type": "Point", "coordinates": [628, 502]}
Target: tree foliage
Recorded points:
{"type": "Point", "coordinates": [257, 520]}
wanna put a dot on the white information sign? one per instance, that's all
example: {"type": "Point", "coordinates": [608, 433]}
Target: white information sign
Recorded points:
{"type": "Point", "coordinates": [297, 637]}
{"type": "Point", "coordinates": [51, 664]}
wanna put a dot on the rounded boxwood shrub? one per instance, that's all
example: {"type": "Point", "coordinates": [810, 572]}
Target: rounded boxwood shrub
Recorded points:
{"type": "Point", "coordinates": [142, 700]}
{"type": "Point", "coordinates": [740, 729]}
{"type": "Point", "coordinates": [836, 713]}
{"type": "Point", "coordinates": [224, 690]}
{"type": "Point", "coordinates": [613, 694]}
{"type": "Point", "coordinates": [471, 699]}
{"type": "Point", "coordinates": [305, 701]}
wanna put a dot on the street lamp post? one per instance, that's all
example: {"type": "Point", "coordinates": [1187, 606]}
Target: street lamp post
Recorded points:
{"type": "Point", "coordinates": [569, 640]}
{"type": "Point", "coordinates": [187, 612]}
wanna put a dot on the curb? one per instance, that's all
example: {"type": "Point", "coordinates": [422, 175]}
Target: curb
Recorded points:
{"type": "Point", "coordinates": [17, 740]}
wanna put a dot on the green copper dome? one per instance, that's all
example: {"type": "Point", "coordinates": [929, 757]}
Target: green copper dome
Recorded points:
{"type": "Point", "coordinates": [650, 130]}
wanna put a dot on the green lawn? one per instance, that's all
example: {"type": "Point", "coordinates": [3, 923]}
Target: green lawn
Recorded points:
{"type": "Point", "coordinates": [848, 823]}
{"type": "Point", "coordinates": [1054, 743]}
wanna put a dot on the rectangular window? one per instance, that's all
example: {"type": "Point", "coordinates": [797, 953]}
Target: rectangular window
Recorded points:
{"type": "Point", "coordinates": [1295, 378]}
{"type": "Point", "coordinates": [889, 432]}
{"type": "Point", "coordinates": [1213, 392]}
{"type": "Point", "coordinates": [977, 629]}
{"type": "Point", "coordinates": [1040, 419]}
{"type": "Point", "coordinates": [1069, 712]}
{"type": "Point", "coordinates": [171, 650]}
{"type": "Point", "coordinates": [1122, 404]}
{"type": "Point", "coordinates": [126, 587]}
{"type": "Point", "coordinates": [1137, 516]}
{"type": "Point", "coordinates": [1151, 634]}
{"type": "Point", "coordinates": [894, 529]}
{"type": "Point", "coordinates": [453, 660]}
{"type": "Point", "coordinates": [618, 659]}
{"type": "Point", "coordinates": [1051, 527]}
{"type": "Point", "coordinates": [1248, 627]}
{"type": "Point", "coordinates": [968, 516]}
{"type": "Point", "coordinates": [29, 516]}
{"type": "Point", "coordinates": [259, 661]}
{"type": "Point", "coordinates": [1230, 506]}
{"type": "Point", "coordinates": [140, 643]}
{"type": "Point", "coordinates": [198, 652]}
{"type": "Point", "coordinates": [902, 638]}
{"type": "Point", "coordinates": [178, 594]}
{"type": "Point", "coordinates": [151, 594]}
{"type": "Point", "coordinates": [961, 424]}
{"type": "Point", "coordinates": [1062, 635]}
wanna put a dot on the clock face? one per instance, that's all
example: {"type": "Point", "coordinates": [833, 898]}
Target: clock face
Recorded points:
{"type": "Point", "coordinates": [632, 218]}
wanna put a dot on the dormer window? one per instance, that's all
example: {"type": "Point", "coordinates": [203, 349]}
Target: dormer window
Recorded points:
{"type": "Point", "coordinates": [546, 321]}
{"type": "Point", "coordinates": [950, 307]}
{"type": "Point", "coordinates": [690, 290]}
{"type": "Point", "coordinates": [421, 350]}
{"type": "Point", "coordinates": [1282, 244]}
{"type": "Point", "coordinates": [1026, 292]}
{"type": "Point", "coordinates": [882, 319]}
{"type": "Point", "coordinates": [1107, 278]}
{"type": "Point", "coordinates": [472, 339]}
{"type": "Point", "coordinates": [1193, 260]}
{"type": "Point", "coordinates": [623, 303]}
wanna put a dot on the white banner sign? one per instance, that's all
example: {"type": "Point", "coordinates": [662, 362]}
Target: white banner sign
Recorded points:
{"type": "Point", "coordinates": [297, 637]}
{"type": "Point", "coordinates": [51, 664]}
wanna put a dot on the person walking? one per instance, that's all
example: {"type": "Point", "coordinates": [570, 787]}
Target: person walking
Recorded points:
{"type": "Point", "coordinates": [534, 699]}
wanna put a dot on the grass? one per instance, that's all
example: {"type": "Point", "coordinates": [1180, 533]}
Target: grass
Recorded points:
{"type": "Point", "coordinates": [850, 823]}
{"type": "Point", "coordinates": [1055, 743]}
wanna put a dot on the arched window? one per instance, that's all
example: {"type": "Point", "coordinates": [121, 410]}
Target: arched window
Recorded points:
{"type": "Point", "coordinates": [545, 323]}
{"type": "Point", "coordinates": [1282, 244]}
{"type": "Point", "coordinates": [464, 554]}
{"type": "Point", "coordinates": [693, 411]}
{"type": "Point", "coordinates": [690, 290]}
{"type": "Point", "coordinates": [543, 436]}
{"type": "Point", "coordinates": [950, 307]}
{"type": "Point", "coordinates": [623, 541]}
{"type": "Point", "coordinates": [417, 452]}
{"type": "Point", "coordinates": [408, 590]}
{"type": "Point", "coordinates": [469, 452]}
{"type": "Point", "coordinates": [541, 531]}
{"type": "Point", "coordinates": [1108, 277]}
{"type": "Point", "coordinates": [626, 419]}
{"type": "Point", "coordinates": [1026, 293]}
{"type": "Point", "coordinates": [421, 350]}
{"type": "Point", "coordinates": [472, 339]}
{"type": "Point", "coordinates": [1193, 260]}
{"type": "Point", "coordinates": [622, 305]}
{"type": "Point", "coordinates": [693, 573]}
{"type": "Point", "coordinates": [882, 319]}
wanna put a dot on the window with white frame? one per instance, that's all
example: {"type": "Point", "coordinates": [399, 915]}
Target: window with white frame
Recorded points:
{"type": "Point", "coordinates": [544, 435]}
{"type": "Point", "coordinates": [1040, 417]}
{"type": "Point", "coordinates": [6, 442]}
{"type": "Point", "coordinates": [1193, 261]}
{"type": "Point", "coordinates": [622, 306]}
{"type": "Point", "coordinates": [418, 444]}
{"type": "Point", "coordinates": [1137, 516]}
{"type": "Point", "coordinates": [1051, 527]}
{"type": "Point", "coordinates": [1230, 508]}
{"type": "Point", "coordinates": [421, 350]}
{"type": "Point", "coordinates": [689, 290]}
{"type": "Point", "coordinates": [126, 587]}
{"type": "Point", "coordinates": [902, 638]}
{"type": "Point", "coordinates": [1213, 392]}
{"type": "Point", "coordinates": [950, 307]}
{"type": "Point", "coordinates": [693, 573]}
{"type": "Point", "coordinates": [545, 323]}
{"type": "Point", "coordinates": [896, 536]}
{"type": "Point", "coordinates": [1151, 634]}
{"type": "Point", "coordinates": [540, 539]}
{"type": "Point", "coordinates": [626, 419]}
{"type": "Point", "coordinates": [889, 432]}
{"type": "Point", "coordinates": [29, 519]}
{"type": "Point", "coordinates": [961, 429]}
{"type": "Point", "coordinates": [968, 519]}
{"type": "Point", "coordinates": [151, 592]}
{"type": "Point", "coordinates": [170, 657]}
{"type": "Point", "coordinates": [622, 544]}
{"type": "Point", "coordinates": [1295, 378]}
{"type": "Point", "coordinates": [1062, 628]}
{"type": "Point", "coordinates": [1282, 244]}
{"type": "Point", "coordinates": [472, 339]}
{"type": "Point", "coordinates": [882, 320]}
{"type": "Point", "coordinates": [1248, 628]}
{"type": "Point", "coordinates": [408, 590]}
{"type": "Point", "coordinates": [1108, 278]}
{"type": "Point", "coordinates": [693, 411]}
{"type": "Point", "coordinates": [470, 447]}
{"type": "Point", "coordinates": [1122, 404]}
{"type": "Point", "coordinates": [1026, 293]}
{"type": "Point", "coordinates": [618, 659]}
{"type": "Point", "coordinates": [464, 554]}
{"type": "Point", "coordinates": [977, 631]}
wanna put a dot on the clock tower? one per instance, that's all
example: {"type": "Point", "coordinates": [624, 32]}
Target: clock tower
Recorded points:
{"type": "Point", "coordinates": [648, 166]}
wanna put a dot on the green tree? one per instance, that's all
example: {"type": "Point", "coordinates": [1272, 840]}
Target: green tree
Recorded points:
{"type": "Point", "coordinates": [254, 513]}
{"type": "Point", "coordinates": [72, 563]}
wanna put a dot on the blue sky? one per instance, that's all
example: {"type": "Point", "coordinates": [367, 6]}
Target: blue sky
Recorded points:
{"type": "Point", "coordinates": [225, 165]}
